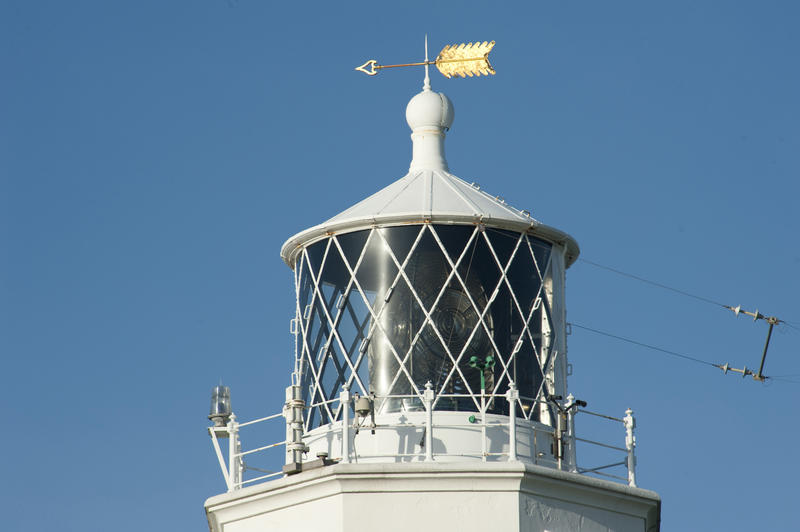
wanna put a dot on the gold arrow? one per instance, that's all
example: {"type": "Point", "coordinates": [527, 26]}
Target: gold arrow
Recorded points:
{"type": "Point", "coordinates": [462, 60]}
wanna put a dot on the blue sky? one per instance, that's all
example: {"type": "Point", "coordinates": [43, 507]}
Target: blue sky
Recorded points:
{"type": "Point", "coordinates": [154, 157]}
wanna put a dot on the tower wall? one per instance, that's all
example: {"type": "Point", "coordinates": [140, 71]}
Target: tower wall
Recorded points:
{"type": "Point", "coordinates": [402, 497]}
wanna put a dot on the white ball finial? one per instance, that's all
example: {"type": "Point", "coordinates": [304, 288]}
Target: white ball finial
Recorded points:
{"type": "Point", "coordinates": [429, 114]}
{"type": "Point", "coordinates": [430, 109]}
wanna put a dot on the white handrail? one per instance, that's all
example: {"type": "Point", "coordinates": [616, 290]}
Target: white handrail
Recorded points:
{"type": "Point", "coordinates": [234, 467]}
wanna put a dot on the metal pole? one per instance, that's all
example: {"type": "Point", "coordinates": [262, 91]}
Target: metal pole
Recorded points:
{"type": "Point", "coordinates": [221, 459]}
{"type": "Point", "coordinates": [559, 446]}
{"type": "Point", "coordinates": [293, 410]}
{"type": "Point", "coordinates": [344, 401]}
{"type": "Point", "coordinates": [512, 395]}
{"type": "Point", "coordinates": [239, 469]}
{"type": "Point", "coordinates": [483, 419]}
{"type": "Point", "coordinates": [758, 375]}
{"type": "Point", "coordinates": [630, 444]}
{"type": "Point", "coordinates": [232, 458]}
{"type": "Point", "coordinates": [572, 459]}
{"type": "Point", "coordinates": [428, 397]}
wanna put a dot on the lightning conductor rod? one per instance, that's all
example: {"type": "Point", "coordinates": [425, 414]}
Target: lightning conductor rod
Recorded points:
{"type": "Point", "coordinates": [426, 85]}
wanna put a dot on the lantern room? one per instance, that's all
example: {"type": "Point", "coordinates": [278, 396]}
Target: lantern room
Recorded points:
{"type": "Point", "coordinates": [429, 284]}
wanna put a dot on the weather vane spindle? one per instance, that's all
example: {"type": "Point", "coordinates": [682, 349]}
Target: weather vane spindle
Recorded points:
{"type": "Point", "coordinates": [471, 59]}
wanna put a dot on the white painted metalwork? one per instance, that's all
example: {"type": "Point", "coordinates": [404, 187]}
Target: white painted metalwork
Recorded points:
{"type": "Point", "coordinates": [420, 291]}
{"type": "Point", "coordinates": [234, 467]}
{"type": "Point", "coordinates": [630, 445]}
{"type": "Point", "coordinates": [572, 458]}
{"type": "Point", "coordinates": [334, 337]}
{"type": "Point", "coordinates": [235, 462]}
{"type": "Point", "coordinates": [434, 196]}
{"type": "Point", "coordinates": [428, 398]}
{"type": "Point", "coordinates": [438, 312]}
{"type": "Point", "coordinates": [496, 438]}
{"type": "Point", "coordinates": [429, 193]}
{"type": "Point", "coordinates": [344, 399]}
{"type": "Point", "coordinates": [512, 396]}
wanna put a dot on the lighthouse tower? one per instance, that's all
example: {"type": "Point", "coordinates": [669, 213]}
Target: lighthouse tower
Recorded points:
{"type": "Point", "coordinates": [429, 388]}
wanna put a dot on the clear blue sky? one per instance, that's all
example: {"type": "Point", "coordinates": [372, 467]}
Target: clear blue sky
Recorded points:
{"type": "Point", "coordinates": [155, 155]}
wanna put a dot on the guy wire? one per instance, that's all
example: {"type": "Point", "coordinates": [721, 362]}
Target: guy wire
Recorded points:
{"type": "Point", "coordinates": [648, 281]}
{"type": "Point", "coordinates": [648, 346]}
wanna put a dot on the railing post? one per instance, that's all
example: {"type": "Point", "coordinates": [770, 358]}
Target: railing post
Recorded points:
{"type": "Point", "coordinates": [344, 401]}
{"type": "Point", "coordinates": [572, 459]}
{"type": "Point", "coordinates": [239, 469]}
{"type": "Point", "coordinates": [234, 469]}
{"type": "Point", "coordinates": [427, 397]}
{"type": "Point", "coordinates": [559, 438]}
{"type": "Point", "coordinates": [293, 411]}
{"type": "Point", "coordinates": [484, 450]}
{"type": "Point", "coordinates": [512, 395]}
{"type": "Point", "coordinates": [630, 445]}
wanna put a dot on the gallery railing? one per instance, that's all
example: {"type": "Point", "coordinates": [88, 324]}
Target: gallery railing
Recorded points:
{"type": "Point", "coordinates": [553, 446]}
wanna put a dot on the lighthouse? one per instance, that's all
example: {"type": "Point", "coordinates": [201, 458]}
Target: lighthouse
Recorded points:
{"type": "Point", "coordinates": [429, 386]}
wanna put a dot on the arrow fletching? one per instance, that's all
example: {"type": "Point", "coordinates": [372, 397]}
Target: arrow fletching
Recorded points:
{"type": "Point", "coordinates": [465, 60]}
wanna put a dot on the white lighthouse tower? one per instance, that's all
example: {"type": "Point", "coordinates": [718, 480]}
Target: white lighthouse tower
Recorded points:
{"type": "Point", "coordinates": [429, 389]}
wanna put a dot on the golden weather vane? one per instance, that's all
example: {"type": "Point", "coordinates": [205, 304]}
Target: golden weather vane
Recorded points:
{"type": "Point", "coordinates": [462, 60]}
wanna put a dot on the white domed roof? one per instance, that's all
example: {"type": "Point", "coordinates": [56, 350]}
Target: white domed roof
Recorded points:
{"type": "Point", "coordinates": [433, 196]}
{"type": "Point", "coordinates": [429, 192]}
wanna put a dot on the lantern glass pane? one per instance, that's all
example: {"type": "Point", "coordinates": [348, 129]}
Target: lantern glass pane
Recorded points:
{"type": "Point", "coordinates": [386, 310]}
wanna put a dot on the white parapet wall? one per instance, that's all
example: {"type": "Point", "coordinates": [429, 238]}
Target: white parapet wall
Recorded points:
{"type": "Point", "coordinates": [422, 496]}
{"type": "Point", "coordinates": [401, 437]}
